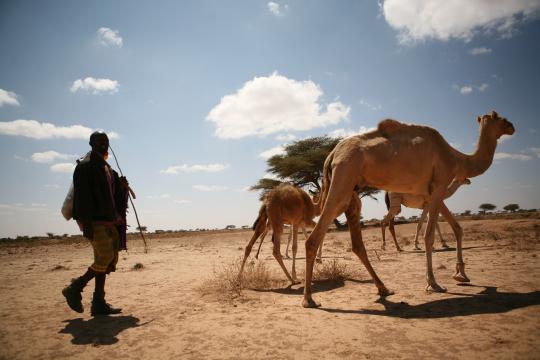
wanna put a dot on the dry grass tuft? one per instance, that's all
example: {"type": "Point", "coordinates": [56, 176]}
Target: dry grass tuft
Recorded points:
{"type": "Point", "coordinates": [225, 282]}
{"type": "Point", "coordinates": [137, 266]}
{"type": "Point", "coordinates": [332, 271]}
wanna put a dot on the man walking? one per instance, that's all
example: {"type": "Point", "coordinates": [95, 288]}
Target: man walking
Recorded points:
{"type": "Point", "coordinates": [99, 206]}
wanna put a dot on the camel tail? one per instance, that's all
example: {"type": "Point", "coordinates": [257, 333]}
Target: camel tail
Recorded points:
{"type": "Point", "coordinates": [326, 179]}
{"type": "Point", "coordinates": [387, 200]}
{"type": "Point", "coordinates": [262, 217]}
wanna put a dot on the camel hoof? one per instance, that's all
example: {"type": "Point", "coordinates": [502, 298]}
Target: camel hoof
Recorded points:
{"type": "Point", "coordinates": [384, 292]}
{"type": "Point", "coordinates": [318, 261]}
{"type": "Point", "coordinates": [435, 288]}
{"type": "Point", "coordinates": [461, 278]}
{"type": "Point", "coordinates": [445, 246]}
{"type": "Point", "coordinates": [310, 304]}
{"type": "Point", "coordinates": [295, 282]}
{"type": "Point", "coordinates": [416, 247]}
{"type": "Point", "coordinates": [399, 249]}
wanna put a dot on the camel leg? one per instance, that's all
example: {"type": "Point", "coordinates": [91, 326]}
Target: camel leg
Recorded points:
{"type": "Point", "coordinates": [383, 230]}
{"type": "Point", "coordinates": [443, 243]}
{"type": "Point", "coordinates": [294, 250]}
{"type": "Point", "coordinates": [339, 195]}
{"type": "Point", "coordinates": [276, 239]}
{"type": "Point", "coordinates": [353, 220]}
{"type": "Point", "coordinates": [259, 229]}
{"type": "Point", "coordinates": [319, 254]}
{"type": "Point", "coordinates": [428, 240]}
{"type": "Point", "coordinates": [393, 232]}
{"type": "Point", "coordinates": [260, 244]}
{"type": "Point", "coordinates": [458, 232]}
{"type": "Point", "coordinates": [288, 242]}
{"type": "Point", "coordinates": [419, 227]}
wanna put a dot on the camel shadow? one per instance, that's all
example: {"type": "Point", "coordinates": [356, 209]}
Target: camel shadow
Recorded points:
{"type": "Point", "coordinates": [321, 286]}
{"type": "Point", "coordinates": [100, 330]}
{"type": "Point", "coordinates": [488, 301]}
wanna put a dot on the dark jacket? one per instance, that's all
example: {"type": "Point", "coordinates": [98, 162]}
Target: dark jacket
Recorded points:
{"type": "Point", "coordinates": [92, 200]}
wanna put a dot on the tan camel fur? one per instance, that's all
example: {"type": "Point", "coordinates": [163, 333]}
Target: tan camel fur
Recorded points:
{"type": "Point", "coordinates": [268, 226]}
{"type": "Point", "coordinates": [285, 204]}
{"type": "Point", "coordinates": [402, 158]}
{"type": "Point", "coordinates": [394, 202]}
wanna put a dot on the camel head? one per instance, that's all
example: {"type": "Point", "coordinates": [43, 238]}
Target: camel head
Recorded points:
{"type": "Point", "coordinates": [497, 125]}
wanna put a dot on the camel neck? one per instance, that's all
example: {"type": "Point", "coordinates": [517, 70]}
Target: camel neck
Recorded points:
{"type": "Point", "coordinates": [481, 159]}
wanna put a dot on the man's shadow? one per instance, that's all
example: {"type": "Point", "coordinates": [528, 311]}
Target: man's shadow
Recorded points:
{"type": "Point", "coordinates": [488, 301]}
{"type": "Point", "coordinates": [99, 330]}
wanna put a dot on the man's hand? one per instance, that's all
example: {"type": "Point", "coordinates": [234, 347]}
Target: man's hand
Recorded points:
{"type": "Point", "coordinates": [124, 183]}
{"type": "Point", "coordinates": [88, 230]}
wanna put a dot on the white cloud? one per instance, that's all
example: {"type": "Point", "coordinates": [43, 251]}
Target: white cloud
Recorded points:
{"type": "Point", "coordinates": [162, 196]}
{"type": "Point", "coordinates": [195, 168]}
{"type": "Point", "coordinates": [8, 98]}
{"type": "Point", "coordinates": [505, 138]}
{"type": "Point", "coordinates": [63, 168]}
{"type": "Point", "coordinates": [277, 150]}
{"type": "Point", "coordinates": [520, 157]}
{"type": "Point", "coordinates": [49, 156]}
{"type": "Point", "coordinates": [369, 105]}
{"type": "Point", "coordinates": [267, 105]}
{"type": "Point", "coordinates": [276, 8]}
{"type": "Point", "coordinates": [535, 151]}
{"type": "Point", "coordinates": [209, 187]}
{"type": "Point", "coordinates": [182, 201]}
{"type": "Point", "coordinates": [419, 20]}
{"type": "Point", "coordinates": [285, 137]}
{"type": "Point", "coordinates": [480, 51]}
{"type": "Point", "coordinates": [468, 89]}
{"type": "Point", "coordinates": [108, 37]}
{"type": "Point", "coordinates": [36, 130]}
{"type": "Point", "coordinates": [344, 133]}
{"type": "Point", "coordinates": [96, 86]}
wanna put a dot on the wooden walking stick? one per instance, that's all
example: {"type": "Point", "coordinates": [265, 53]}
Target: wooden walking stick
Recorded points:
{"type": "Point", "coordinates": [131, 195]}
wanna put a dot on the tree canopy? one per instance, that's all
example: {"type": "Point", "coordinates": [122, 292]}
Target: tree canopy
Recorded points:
{"type": "Point", "coordinates": [302, 165]}
{"type": "Point", "coordinates": [487, 207]}
{"type": "Point", "coordinates": [511, 207]}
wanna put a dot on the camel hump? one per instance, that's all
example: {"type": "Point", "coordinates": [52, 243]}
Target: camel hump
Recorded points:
{"type": "Point", "coordinates": [389, 125]}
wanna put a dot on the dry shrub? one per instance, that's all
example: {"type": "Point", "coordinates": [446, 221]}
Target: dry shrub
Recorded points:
{"type": "Point", "coordinates": [332, 271]}
{"type": "Point", "coordinates": [137, 266]}
{"type": "Point", "coordinates": [225, 282]}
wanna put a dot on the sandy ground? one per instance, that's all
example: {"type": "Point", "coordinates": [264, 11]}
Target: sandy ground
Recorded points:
{"type": "Point", "coordinates": [165, 315]}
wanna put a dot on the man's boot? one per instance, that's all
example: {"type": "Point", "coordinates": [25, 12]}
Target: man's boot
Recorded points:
{"type": "Point", "coordinates": [100, 306]}
{"type": "Point", "coordinates": [73, 296]}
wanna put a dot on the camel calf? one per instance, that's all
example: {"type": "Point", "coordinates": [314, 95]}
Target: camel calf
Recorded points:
{"type": "Point", "coordinates": [394, 201]}
{"type": "Point", "coordinates": [285, 204]}
{"type": "Point", "coordinates": [268, 226]}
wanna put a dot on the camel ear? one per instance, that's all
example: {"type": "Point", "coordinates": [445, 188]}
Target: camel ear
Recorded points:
{"type": "Point", "coordinates": [494, 115]}
{"type": "Point", "coordinates": [478, 119]}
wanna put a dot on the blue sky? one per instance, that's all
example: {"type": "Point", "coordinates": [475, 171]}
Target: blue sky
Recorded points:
{"type": "Point", "coordinates": [196, 93]}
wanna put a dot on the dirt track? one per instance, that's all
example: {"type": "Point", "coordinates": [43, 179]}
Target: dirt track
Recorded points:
{"type": "Point", "coordinates": [166, 316]}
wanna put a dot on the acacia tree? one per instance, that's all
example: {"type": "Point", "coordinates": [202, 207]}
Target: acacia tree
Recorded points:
{"type": "Point", "coordinates": [487, 207]}
{"type": "Point", "coordinates": [511, 207]}
{"type": "Point", "coordinates": [302, 165]}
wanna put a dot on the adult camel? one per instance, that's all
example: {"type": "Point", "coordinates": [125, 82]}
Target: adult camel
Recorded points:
{"type": "Point", "coordinates": [395, 200]}
{"type": "Point", "coordinates": [285, 204]}
{"type": "Point", "coordinates": [402, 158]}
